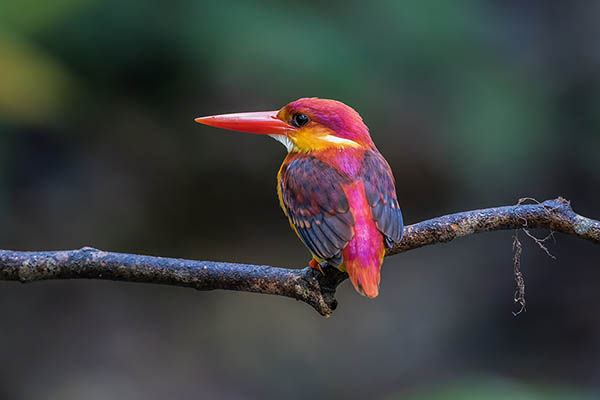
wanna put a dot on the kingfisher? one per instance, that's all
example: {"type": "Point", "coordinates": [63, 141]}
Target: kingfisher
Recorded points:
{"type": "Point", "coordinates": [334, 186]}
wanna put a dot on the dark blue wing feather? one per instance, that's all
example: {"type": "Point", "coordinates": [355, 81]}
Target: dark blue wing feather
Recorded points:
{"type": "Point", "coordinates": [381, 195]}
{"type": "Point", "coordinates": [315, 203]}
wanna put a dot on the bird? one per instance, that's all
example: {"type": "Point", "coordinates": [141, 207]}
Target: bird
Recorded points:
{"type": "Point", "coordinates": [334, 186]}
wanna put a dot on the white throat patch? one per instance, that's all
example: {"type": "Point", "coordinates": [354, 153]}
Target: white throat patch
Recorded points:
{"type": "Point", "coordinates": [284, 140]}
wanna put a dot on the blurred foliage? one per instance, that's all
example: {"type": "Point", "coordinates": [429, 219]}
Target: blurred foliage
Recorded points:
{"type": "Point", "coordinates": [34, 85]}
{"type": "Point", "coordinates": [473, 104]}
{"type": "Point", "coordinates": [490, 389]}
{"type": "Point", "coordinates": [493, 94]}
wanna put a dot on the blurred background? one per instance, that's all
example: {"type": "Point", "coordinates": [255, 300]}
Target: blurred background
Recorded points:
{"type": "Point", "coordinates": [474, 104]}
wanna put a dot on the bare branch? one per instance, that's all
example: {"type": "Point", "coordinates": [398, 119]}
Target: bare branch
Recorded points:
{"type": "Point", "coordinates": [307, 285]}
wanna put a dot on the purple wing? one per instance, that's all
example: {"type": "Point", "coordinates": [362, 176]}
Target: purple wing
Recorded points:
{"type": "Point", "coordinates": [316, 204]}
{"type": "Point", "coordinates": [381, 195]}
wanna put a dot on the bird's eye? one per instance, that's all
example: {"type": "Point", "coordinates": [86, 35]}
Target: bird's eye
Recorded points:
{"type": "Point", "coordinates": [299, 120]}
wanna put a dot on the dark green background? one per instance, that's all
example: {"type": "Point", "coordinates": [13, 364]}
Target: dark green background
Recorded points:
{"type": "Point", "coordinates": [474, 104]}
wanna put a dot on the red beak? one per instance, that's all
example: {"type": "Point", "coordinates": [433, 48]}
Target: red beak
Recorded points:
{"type": "Point", "coordinates": [262, 123]}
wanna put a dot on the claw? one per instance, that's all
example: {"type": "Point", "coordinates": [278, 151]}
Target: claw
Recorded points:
{"type": "Point", "coordinates": [315, 265]}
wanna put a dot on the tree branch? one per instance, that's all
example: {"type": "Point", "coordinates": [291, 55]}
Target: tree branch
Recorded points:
{"type": "Point", "coordinates": [307, 285]}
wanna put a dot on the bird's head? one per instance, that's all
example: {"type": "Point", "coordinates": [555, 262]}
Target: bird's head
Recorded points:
{"type": "Point", "coordinates": [304, 125]}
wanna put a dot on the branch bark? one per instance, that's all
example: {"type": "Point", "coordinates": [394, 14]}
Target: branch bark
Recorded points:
{"type": "Point", "coordinates": [307, 285]}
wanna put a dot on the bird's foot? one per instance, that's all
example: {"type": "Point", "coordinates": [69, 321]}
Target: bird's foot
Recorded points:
{"type": "Point", "coordinates": [315, 265]}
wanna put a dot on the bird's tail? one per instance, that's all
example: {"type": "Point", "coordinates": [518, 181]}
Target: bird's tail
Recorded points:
{"type": "Point", "coordinates": [364, 279]}
{"type": "Point", "coordinates": [364, 253]}
{"type": "Point", "coordinates": [364, 272]}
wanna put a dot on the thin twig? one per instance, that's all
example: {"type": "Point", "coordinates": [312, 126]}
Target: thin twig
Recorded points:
{"type": "Point", "coordinates": [540, 242]}
{"type": "Point", "coordinates": [519, 296]}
